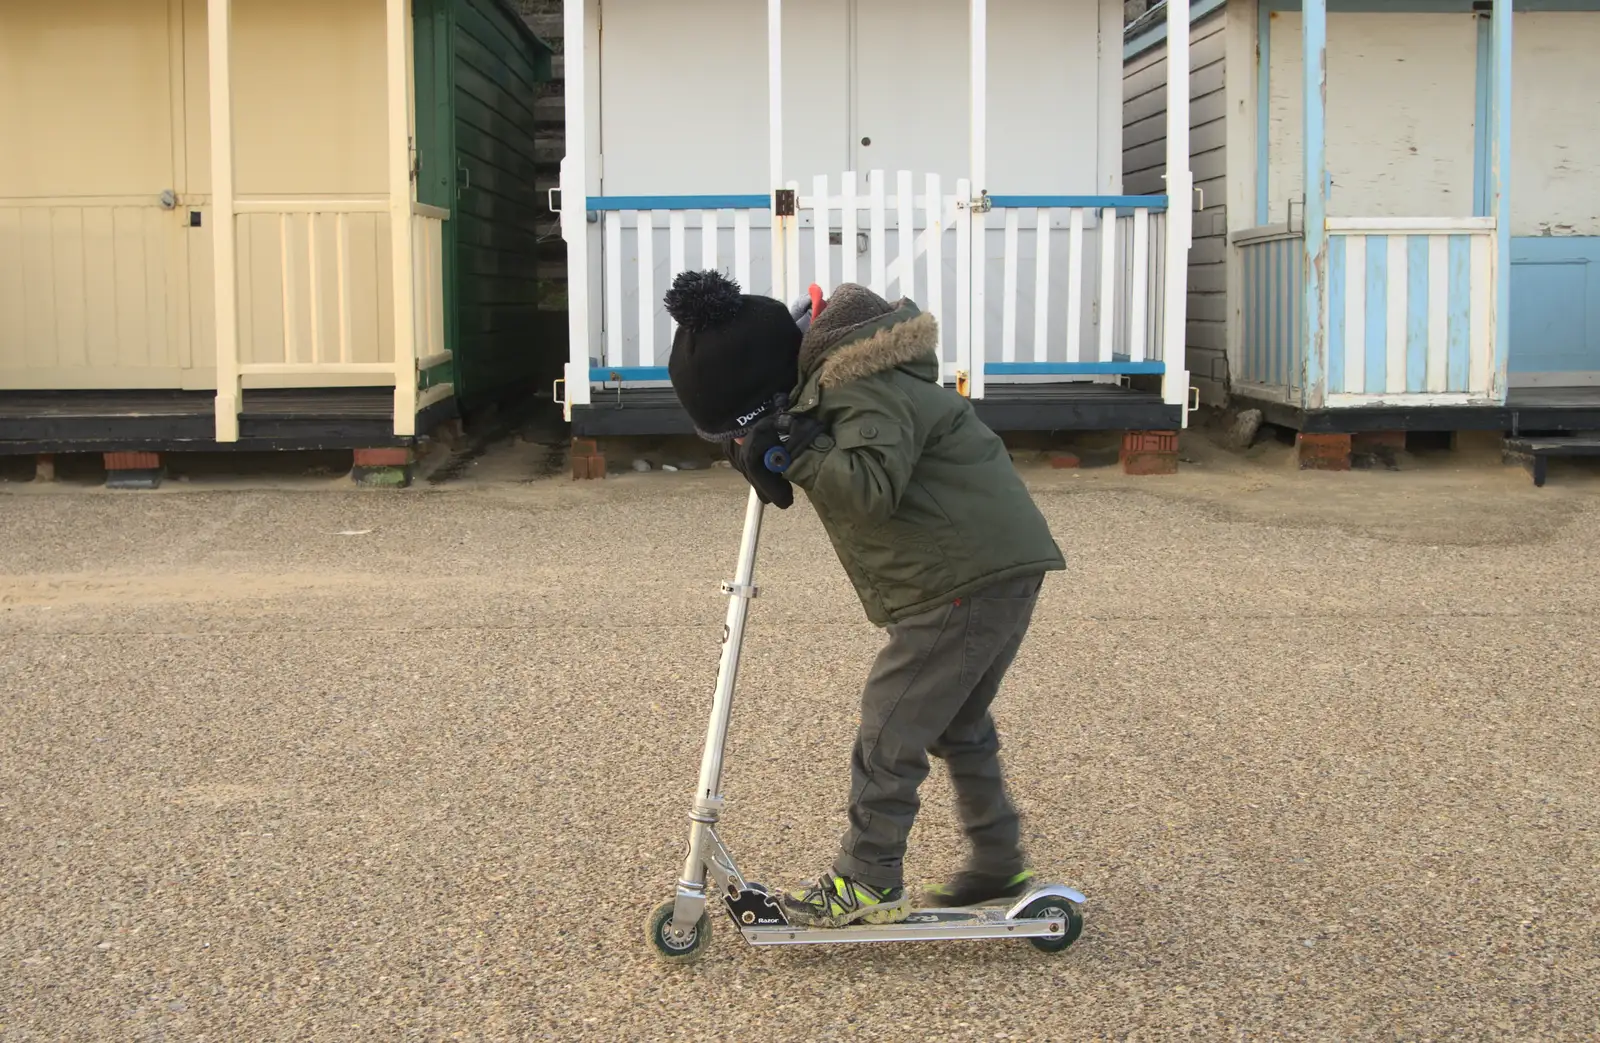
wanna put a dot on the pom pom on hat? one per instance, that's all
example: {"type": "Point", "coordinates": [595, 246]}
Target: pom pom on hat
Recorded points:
{"type": "Point", "coordinates": [701, 300]}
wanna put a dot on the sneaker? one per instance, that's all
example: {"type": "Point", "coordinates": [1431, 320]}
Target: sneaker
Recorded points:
{"type": "Point", "coordinates": [838, 901]}
{"type": "Point", "coordinates": [970, 888]}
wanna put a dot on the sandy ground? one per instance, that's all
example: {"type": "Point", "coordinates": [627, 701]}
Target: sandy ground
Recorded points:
{"type": "Point", "coordinates": [286, 760]}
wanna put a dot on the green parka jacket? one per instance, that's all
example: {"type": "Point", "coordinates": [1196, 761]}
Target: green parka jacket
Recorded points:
{"type": "Point", "coordinates": [918, 496]}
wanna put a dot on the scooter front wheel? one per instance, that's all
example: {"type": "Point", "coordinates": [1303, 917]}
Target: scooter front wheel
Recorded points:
{"type": "Point", "coordinates": [671, 947]}
{"type": "Point", "coordinates": [1051, 906]}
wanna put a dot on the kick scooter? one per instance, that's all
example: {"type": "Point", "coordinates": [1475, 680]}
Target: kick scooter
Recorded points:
{"type": "Point", "coordinates": [1049, 916]}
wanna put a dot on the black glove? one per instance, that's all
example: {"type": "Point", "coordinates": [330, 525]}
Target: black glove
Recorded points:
{"type": "Point", "coordinates": [767, 451]}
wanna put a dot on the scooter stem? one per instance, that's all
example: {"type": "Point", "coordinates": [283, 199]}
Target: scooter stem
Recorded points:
{"type": "Point", "coordinates": [739, 592]}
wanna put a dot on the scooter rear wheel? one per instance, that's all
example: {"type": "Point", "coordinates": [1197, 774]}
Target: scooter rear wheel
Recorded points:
{"type": "Point", "coordinates": [658, 930]}
{"type": "Point", "coordinates": [1049, 906]}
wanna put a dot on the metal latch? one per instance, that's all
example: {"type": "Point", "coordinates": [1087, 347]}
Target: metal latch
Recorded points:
{"type": "Point", "coordinates": [981, 205]}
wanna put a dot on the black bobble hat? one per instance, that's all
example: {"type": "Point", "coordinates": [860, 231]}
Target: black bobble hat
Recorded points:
{"type": "Point", "coordinates": [734, 353]}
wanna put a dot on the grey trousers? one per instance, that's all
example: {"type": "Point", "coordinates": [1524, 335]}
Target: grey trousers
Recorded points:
{"type": "Point", "coordinates": [929, 693]}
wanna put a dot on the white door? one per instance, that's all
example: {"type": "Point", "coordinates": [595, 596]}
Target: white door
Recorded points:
{"type": "Point", "coordinates": [910, 105]}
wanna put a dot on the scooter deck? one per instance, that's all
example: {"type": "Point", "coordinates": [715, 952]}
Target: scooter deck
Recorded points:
{"type": "Point", "coordinates": [921, 925]}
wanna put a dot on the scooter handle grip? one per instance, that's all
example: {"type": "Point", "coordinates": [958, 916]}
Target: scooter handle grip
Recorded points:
{"type": "Point", "coordinates": [776, 459]}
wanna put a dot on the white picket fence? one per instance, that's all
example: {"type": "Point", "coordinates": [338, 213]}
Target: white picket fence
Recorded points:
{"type": "Point", "coordinates": [1035, 286]}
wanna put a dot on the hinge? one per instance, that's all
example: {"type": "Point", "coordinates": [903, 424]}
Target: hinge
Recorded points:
{"type": "Point", "coordinates": [416, 158]}
{"type": "Point", "coordinates": [783, 202]}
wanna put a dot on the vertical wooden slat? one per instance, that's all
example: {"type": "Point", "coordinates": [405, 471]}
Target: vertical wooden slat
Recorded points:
{"type": "Point", "coordinates": [978, 260]}
{"type": "Point", "coordinates": [139, 329]}
{"type": "Point", "coordinates": [13, 322]}
{"type": "Point", "coordinates": [741, 248]}
{"type": "Point", "coordinates": [879, 234]}
{"type": "Point", "coordinates": [219, 24]}
{"type": "Point", "coordinates": [821, 225]}
{"type": "Point", "coordinates": [792, 239]}
{"type": "Point", "coordinates": [1041, 287]}
{"type": "Point", "coordinates": [906, 218]}
{"type": "Point", "coordinates": [1486, 256]}
{"type": "Point", "coordinates": [1355, 280]}
{"type": "Point", "coordinates": [708, 240]}
{"type": "Point", "coordinates": [677, 233]}
{"type": "Point", "coordinates": [1139, 293]}
{"type": "Point", "coordinates": [613, 290]}
{"type": "Point", "coordinates": [645, 245]}
{"type": "Point", "coordinates": [847, 226]}
{"type": "Point", "coordinates": [341, 232]}
{"type": "Point", "coordinates": [934, 203]}
{"type": "Point", "coordinates": [38, 289]}
{"type": "Point", "coordinates": [1159, 285]}
{"type": "Point", "coordinates": [1008, 288]}
{"type": "Point", "coordinates": [1075, 286]}
{"type": "Point", "coordinates": [436, 231]}
{"type": "Point", "coordinates": [291, 338]}
{"type": "Point", "coordinates": [1394, 377]}
{"type": "Point", "coordinates": [421, 308]}
{"type": "Point", "coordinates": [1438, 313]}
{"type": "Point", "coordinates": [1108, 285]}
{"type": "Point", "coordinates": [100, 298]}
{"type": "Point", "coordinates": [66, 233]}
{"type": "Point", "coordinates": [315, 300]}
{"type": "Point", "coordinates": [963, 280]}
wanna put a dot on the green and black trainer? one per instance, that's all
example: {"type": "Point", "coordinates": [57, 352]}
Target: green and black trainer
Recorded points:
{"type": "Point", "coordinates": [969, 888]}
{"type": "Point", "coordinates": [838, 901]}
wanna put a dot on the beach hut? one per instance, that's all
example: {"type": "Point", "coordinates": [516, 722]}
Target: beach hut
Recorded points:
{"type": "Point", "coordinates": [247, 224]}
{"type": "Point", "coordinates": [964, 153]}
{"type": "Point", "coordinates": [1400, 228]}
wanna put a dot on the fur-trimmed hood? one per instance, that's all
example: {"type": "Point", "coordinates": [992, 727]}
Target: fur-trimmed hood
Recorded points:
{"type": "Point", "coordinates": [859, 334]}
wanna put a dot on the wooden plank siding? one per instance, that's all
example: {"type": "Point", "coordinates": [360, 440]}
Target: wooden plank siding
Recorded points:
{"type": "Point", "coordinates": [1144, 143]}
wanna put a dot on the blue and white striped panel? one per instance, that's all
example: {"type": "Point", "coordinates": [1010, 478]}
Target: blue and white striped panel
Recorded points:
{"type": "Point", "coordinates": [1408, 314]}
{"type": "Point", "coordinates": [1272, 312]}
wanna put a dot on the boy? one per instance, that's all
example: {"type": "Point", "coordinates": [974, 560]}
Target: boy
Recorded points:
{"type": "Point", "coordinates": [936, 531]}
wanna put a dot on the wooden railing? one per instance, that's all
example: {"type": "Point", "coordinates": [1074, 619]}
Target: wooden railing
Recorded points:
{"type": "Point", "coordinates": [316, 294]}
{"type": "Point", "coordinates": [1408, 311]}
{"type": "Point", "coordinates": [1096, 311]}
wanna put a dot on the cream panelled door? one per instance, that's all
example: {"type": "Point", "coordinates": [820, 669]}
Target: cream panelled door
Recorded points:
{"type": "Point", "coordinates": [94, 249]}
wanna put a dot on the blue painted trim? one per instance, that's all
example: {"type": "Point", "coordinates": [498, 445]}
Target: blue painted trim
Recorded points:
{"type": "Point", "coordinates": [1377, 316]}
{"type": "Point", "coordinates": [1458, 336]}
{"type": "Point", "coordinates": [1121, 202]}
{"type": "Point", "coordinates": [1051, 369]}
{"type": "Point", "coordinates": [1314, 344]}
{"type": "Point", "coordinates": [1501, 172]}
{"type": "Point", "coordinates": [1482, 78]}
{"type": "Point", "coordinates": [1417, 313]}
{"type": "Point", "coordinates": [622, 374]}
{"type": "Point", "coordinates": [1157, 34]}
{"type": "Point", "coordinates": [1263, 104]}
{"type": "Point", "coordinates": [1337, 306]}
{"type": "Point", "coordinates": [761, 202]}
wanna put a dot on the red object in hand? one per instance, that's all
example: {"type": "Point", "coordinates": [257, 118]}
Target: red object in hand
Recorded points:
{"type": "Point", "coordinates": [817, 303]}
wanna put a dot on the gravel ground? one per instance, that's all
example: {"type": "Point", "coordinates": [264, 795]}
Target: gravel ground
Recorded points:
{"type": "Point", "coordinates": [1321, 749]}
